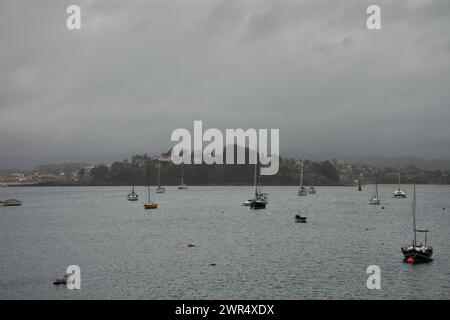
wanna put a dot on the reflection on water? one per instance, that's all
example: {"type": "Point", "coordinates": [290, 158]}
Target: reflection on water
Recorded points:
{"type": "Point", "coordinates": [125, 251]}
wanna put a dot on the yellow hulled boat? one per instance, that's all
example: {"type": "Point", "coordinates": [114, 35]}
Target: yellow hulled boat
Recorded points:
{"type": "Point", "coordinates": [151, 205]}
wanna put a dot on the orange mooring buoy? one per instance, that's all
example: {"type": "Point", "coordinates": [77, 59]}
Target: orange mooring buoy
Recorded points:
{"type": "Point", "coordinates": [410, 260]}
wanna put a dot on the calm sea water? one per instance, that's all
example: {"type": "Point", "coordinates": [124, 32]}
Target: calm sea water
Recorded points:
{"type": "Point", "coordinates": [125, 252]}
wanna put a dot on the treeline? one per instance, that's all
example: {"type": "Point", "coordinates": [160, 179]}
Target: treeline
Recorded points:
{"type": "Point", "coordinates": [137, 170]}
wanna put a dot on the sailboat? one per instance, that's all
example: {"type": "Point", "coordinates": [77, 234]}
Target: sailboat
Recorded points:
{"type": "Point", "coordinates": [399, 193]}
{"type": "Point", "coordinates": [417, 252]}
{"type": "Point", "coordinates": [260, 200]}
{"type": "Point", "coordinates": [359, 185]}
{"type": "Point", "coordinates": [182, 186]}
{"type": "Point", "coordinates": [302, 190]}
{"type": "Point", "coordinates": [133, 196]}
{"type": "Point", "coordinates": [375, 199]}
{"type": "Point", "coordinates": [160, 189]}
{"type": "Point", "coordinates": [149, 204]}
{"type": "Point", "coordinates": [311, 189]}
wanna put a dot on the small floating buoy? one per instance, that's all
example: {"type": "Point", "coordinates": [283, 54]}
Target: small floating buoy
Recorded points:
{"type": "Point", "coordinates": [410, 260]}
{"type": "Point", "coordinates": [212, 264]}
{"type": "Point", "coordinates": [382, 207]}
{"type": "Point", "coordinates": [443, 209]}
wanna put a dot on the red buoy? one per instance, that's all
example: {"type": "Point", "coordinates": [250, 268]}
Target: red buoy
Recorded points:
{"type": "Point", "coordinates": [410, 260]}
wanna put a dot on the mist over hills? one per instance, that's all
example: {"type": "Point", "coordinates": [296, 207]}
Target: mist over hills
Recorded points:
{"type": "Point", "coordinates": [425, 164]}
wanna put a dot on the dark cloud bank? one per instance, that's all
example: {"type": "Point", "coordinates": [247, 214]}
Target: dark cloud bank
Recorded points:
{"type": "Point", "coordinates": [139, 69]}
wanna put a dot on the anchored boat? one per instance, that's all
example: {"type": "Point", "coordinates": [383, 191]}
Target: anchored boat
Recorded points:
{"type": "Point", "coordinates": [302, 190]}
{"type": "Point", "coordinates": [182, 186]}
{"type": "Point", "coordinates": [375, 199]}
{"type": "Point", "coordinates": [160, 189]}
{"type": "Point", "coordinates": [261, 199]}
{"type": "Point", "coordinates": [133, 196]}
{"type": "Point", "coordinates": [399, 193]}
{"type": "Point", "coordinates": [417, 252]}
{"type": "Point", "coordinates": [11, 203]}
{"type": "Point", "coordinates": [149, 204]}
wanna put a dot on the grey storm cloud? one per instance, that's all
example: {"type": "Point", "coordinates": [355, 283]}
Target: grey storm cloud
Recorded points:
{"type": "Point", "coordinates": [137, 70]}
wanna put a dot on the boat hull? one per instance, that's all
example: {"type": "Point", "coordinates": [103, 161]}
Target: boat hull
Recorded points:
{"type": "Point", "coordinates": [399, 194]}
{"type": "Point", "coordinates": [151, 206]}
{"type": "Point", "coordinates": [257, 205]}
{"type": "Point", "coordinates": [419, 255]}
{"type": "Point", "coordinates": [160, 190]}
{"type": "Point", "coordinates": [11, 203]}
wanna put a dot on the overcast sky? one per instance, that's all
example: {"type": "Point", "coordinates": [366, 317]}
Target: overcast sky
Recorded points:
{"type": "Point", "coordinates": [137, 70]}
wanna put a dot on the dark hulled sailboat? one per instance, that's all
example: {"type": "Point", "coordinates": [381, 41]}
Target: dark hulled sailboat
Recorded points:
{"type": "Point", "coordinates": [417, 252]}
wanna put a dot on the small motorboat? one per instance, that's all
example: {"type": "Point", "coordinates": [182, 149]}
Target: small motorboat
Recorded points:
{"type": "Point", "coordinates": [160, 190]}
{"type": "Point", "coordinates": [11, 203]}
{"type": "Point", "coordinates": [183, 187]}
{"type": "Point", "coordinates": [247, 203]}
{"type": "Point", "coordinates": [312, 190]}
{"type": "Point", "coordinates": [300, 219]}
{"type": "Point", "coordinates": [302, 191]}
{"type": "Point", "coordinates": [399, 194]}
{"type": "Point", "coordinates": [61, 280]}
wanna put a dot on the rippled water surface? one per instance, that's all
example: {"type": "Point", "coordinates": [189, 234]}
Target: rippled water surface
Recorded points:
{"type": "Point", "coordinates": [125, 252]}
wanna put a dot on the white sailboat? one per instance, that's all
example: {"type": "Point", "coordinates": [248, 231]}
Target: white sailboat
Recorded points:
{"type": "Point", "coordinates": [399, 193]}
{"type": "Point", "coordinates": [133, 196]}
{"type": "Point", "coordinates": [302, 190]}
{"type": "Point", "coordinates": [375, 199]}
{"type": "Point", "coordinates": [182, 186]}
{"type": "Point", "coordinates": [160, 189]}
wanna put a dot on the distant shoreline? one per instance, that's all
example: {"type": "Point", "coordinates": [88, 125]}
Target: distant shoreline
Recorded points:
{"type": "Point", "coordinates": [209, 185]}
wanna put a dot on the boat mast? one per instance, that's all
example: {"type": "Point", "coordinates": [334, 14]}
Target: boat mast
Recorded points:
{"type": "Point", "coordinates": [301, 176]}
{"type": "Point", "coordinates": [148, 181]}
{"type": "Point", "coordinates": [414, 214]}
{"type": "Point", "coordinates": [182, 173]}
{"type": "Point", "coordinates": [159, 173]}
{"type": "Point", "coordinates": [376, 184]}
{"type": "Point", "coordinates": [398, 165]}
{"type": "Point", "coordinates": [255, 180]}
